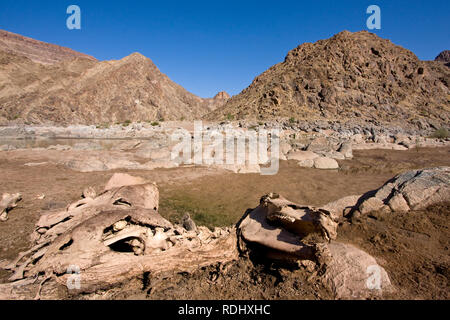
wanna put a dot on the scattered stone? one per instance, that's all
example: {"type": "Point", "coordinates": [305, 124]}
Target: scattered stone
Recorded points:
{"type": "Point", "coordinates": [325, 163]}
{"type": "Point", "coordinates": [35, 164]}
{"type": "Point", "coordinates": [302, 155]}
{"type": "Point", "coordinates": [346, 149]}
{"type": "Point", "coordinates": [7, 147]}
{"type": "Point", "coordinates": [59, 147]}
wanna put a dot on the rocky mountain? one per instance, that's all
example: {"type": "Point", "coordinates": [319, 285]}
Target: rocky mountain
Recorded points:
{"type": "Point", "coordinates": [351, 76]}
{"type": "Point", "coordinates": [444, 57]}
{"type": "Point", "coordinates": [81, 90]}
{"type": "Point", "coordinates": [35, 50]}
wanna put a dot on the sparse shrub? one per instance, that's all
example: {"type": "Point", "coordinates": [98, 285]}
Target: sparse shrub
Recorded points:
{"type": "Point", "coordinates": [103, 126]}
{"type": "Point", "coordinates": [155, 123]}
{"type": "Point", "coordinates": [230, 117]}
{"type": "Point", "coordinates": [291, 120]}
{"type": "Point", "coordinates": [441, 133]}
{"type": "Point", "coordinates": [126, 123]}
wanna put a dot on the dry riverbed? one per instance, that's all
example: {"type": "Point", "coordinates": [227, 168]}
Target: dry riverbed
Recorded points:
{"type": "Point", "coordinates": [218, 198]}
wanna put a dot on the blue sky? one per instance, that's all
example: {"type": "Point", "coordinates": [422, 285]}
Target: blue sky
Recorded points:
{"type": "Point", "coordinates": [209, 46]}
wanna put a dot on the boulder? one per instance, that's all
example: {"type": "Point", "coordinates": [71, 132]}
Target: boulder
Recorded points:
{"type": "Point", "coordinates": [281, 227]}
{"type": "Point", "coordinates": [354, 274]}
{"type": "Point", "coordinates": [346, 149]}
{"type": "Point", "coordinates": [371, 205]}
{"type": "Point", "coordinates": [411, 190]}
{"type": "Point", "coordinates": [306, 163]}
{"type": "Point", "coordinates": [302, 155]}
{"type": "Point", "coordinates": [285, 147]}
{"type": "Point", "coordinates": [319, 144]}
{"type": "Point", "coordinates": [339, 207]}
{"type": "Point", "coordinates": [358, 138]}
{"type": "Point", "coordinates": [7, 203]}
{"type": "Point", "coordinates": [325, 163]}
{"type": "Point", "coordinates": [283, 231]}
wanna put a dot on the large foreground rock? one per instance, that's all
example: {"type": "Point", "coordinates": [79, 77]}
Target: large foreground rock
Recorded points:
{"type": "Point", "coordinates": [354, 274]}
{"type": "Point", "coordinates": [412, 190]}
{"type": "Point", "coordinates": [114, 237]}
{"type": "Point", "coordinates": [325, 163]}
{"type": "Point", "coordinates": [283, 231]}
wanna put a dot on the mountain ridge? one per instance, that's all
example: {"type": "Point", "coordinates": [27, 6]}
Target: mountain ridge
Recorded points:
{"type": "Point", "coordinates": [81, 90]}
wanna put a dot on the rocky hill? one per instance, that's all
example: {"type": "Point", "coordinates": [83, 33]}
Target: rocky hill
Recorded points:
{"type": "Point", "coordinates": [35, 50]}
{"type": "Point", "coordinates": [82, 90]}
{"type": "Point", "coordinates": [351, 76]}
{"type": "Point", "coordinates": [444, 57]}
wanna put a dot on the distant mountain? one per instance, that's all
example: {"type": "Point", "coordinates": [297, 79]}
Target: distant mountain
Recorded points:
{"type": "Point", "coordinates": [444, 56]}
{"type": "Point", "coordinates": [349, 76]}
{"type": "Point", "coordinates": [77, 89]}
{"type": "Point", "coordinates": [35, 50]}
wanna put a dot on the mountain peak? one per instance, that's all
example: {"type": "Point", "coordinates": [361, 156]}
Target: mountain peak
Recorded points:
{"type": "Point", "coordinates": [349, 76]}
{"type": "Point", "coordinates": [222, 95]}
{"type": "Point", "coordinates": [444, 56]}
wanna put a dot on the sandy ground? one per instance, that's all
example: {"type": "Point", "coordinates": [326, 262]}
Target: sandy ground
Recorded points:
{"type": "Point", "coordinates": [413, 248]}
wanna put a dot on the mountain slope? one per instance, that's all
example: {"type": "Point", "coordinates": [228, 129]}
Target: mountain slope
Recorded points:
{"type": "Point", "coordinates": [37, 51]}
{"type": "Point", "coordinates": [83, 91]}
{"type": "Point", "coordinates": [349, 76]}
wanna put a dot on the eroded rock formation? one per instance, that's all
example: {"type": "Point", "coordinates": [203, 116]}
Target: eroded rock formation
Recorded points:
{"type": "Point", "coordinates": [117, 236]}
{"type": "Point", "coordinates": [282, 231]}
{"type": "Point", "coordinates": [8, 202]}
